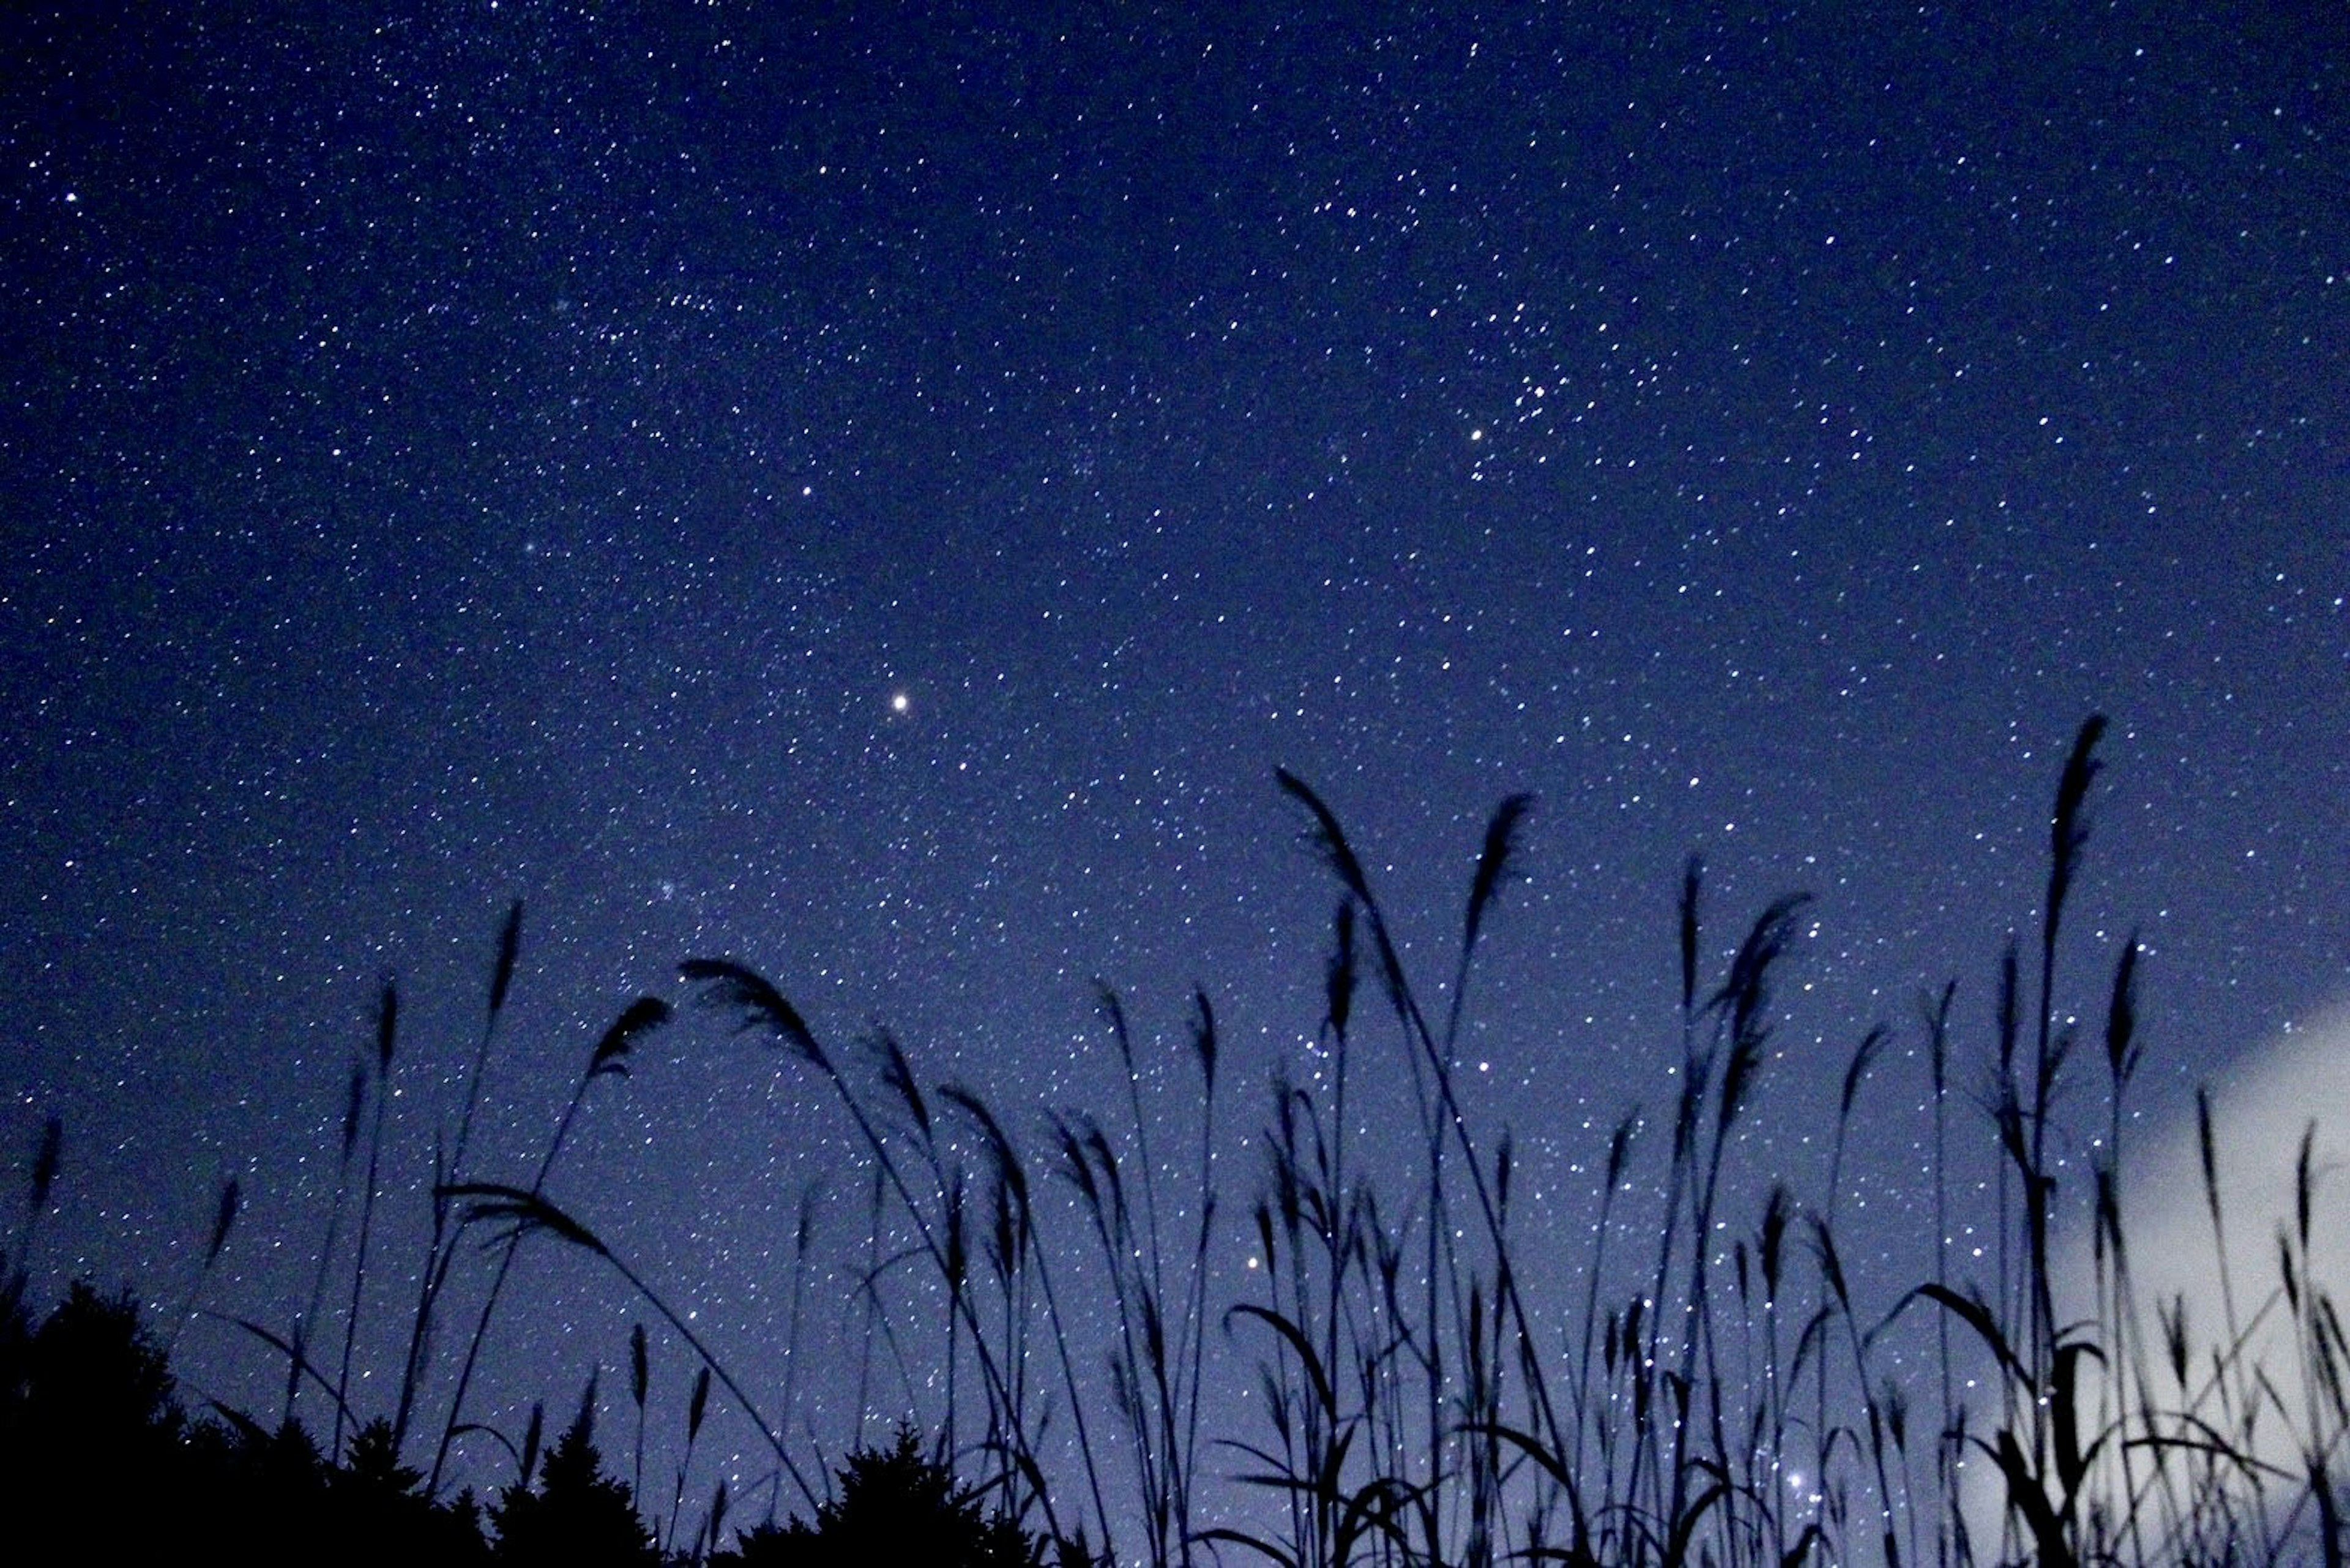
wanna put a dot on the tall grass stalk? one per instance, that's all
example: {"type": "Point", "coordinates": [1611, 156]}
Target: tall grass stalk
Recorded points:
{"type": "Point", "coordinates": [609, 1059]}
{"type": "Point", "coordinates": [440, 1249]}
{"type": "Point", "coordinates": [1704, 1379]}
{"type": "Point", "coordinates": [40, 1184]}
{"type": "Point", "coordinates": [758, 1007]}
{"type": "Point", "coordinates": [354, 1116]}
{"type": "Point", "coordinates": [515, 1213]}
{"type": "Point", "coordinates": [386, 1036]}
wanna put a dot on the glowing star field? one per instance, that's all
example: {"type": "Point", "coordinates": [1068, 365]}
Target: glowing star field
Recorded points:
{"type": "Point", "coordinates": [874, 497]}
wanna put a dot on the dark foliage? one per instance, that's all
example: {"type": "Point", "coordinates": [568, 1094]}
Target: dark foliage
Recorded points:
{"type": "Point", "coordinates": [84, 1394]}
{"type": "Point", "coordinates": [578, 1516]}
{"type": "Point", "coordinates": [86, 1399]}
{"type": "Point", "coordinates": [894, 1506]}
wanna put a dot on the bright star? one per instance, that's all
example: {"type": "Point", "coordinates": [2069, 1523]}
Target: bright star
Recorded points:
{"type": "Point", "coordinates": [900, 702]}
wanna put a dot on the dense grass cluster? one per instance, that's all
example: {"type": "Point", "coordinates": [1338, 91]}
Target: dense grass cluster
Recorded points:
{"type": "Point", "coordinates": [1717, 1391]}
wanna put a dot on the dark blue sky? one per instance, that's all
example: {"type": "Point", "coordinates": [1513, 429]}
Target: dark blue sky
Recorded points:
{"type": "Point", "coordinates": [457, 453]}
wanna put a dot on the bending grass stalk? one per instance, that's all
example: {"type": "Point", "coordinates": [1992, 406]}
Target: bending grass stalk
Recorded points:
{"type": "Point", "coordinates": [440, 1248]}
{"type": "Point", "coordinates": [1493, 873]}
{"type": "Point", "coordinates": [1013, 1176]}
{"type": "Point", "coordinates": [354, 1113]}
{"type": "Point", "coordinates": [759, 1008]}
{"type": "Point", "coordinates": [1667, 1450]}
{"type": "Point", "coordinates": [609, 1058]}
{"type": "Point", "coordinates": [224, 1214]}
{"type": "Point", "coordinates": [525, 1213]}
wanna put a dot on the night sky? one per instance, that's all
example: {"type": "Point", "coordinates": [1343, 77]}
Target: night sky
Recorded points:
{"type": "Point", "coordinates": [876, 494]}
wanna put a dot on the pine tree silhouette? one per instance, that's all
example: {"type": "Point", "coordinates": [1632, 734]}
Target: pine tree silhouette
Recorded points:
{"type": "Point", "coordinates": [379, 1503]}
{"type": "Point", "coordinates": [579, 1518]}
{"type": "Point", "coordinates": [87, 1396]}
{"type": "Point", "coordinates": [895, 1506]}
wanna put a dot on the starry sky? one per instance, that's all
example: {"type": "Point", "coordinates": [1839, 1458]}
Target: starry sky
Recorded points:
{"type": "Point", "coordinates": [876, 492]}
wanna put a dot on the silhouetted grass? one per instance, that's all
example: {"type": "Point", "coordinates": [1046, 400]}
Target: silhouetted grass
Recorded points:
{"type": "Point", "coordinates": [1705, 1382]}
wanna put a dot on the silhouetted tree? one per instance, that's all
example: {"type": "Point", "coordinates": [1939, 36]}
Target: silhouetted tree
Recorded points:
{"type": "Point", "coordinates": [579, 1518]}
{"type": "Point", "coordinates": [379, 1502]}
{"type": "Point", "coordinates": [95, 1378]}
{"type": "Point", "coordinates": [88, 1410]}
{"type": "Point", "coordinates": [89, 1395]}
{"type": "Point", "coordinates": [894, 1506]}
